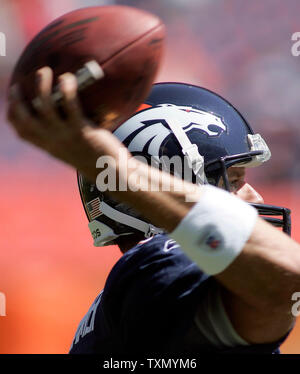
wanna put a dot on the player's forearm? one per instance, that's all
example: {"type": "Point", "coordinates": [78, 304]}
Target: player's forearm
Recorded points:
{"type": "Point", "coordinates": [158, 196]}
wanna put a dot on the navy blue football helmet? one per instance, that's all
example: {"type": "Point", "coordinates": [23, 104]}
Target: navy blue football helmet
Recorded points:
{"type": "Point", "coordinates": [201, 128]}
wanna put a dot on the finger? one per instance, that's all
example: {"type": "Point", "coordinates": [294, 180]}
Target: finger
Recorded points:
{"type": "Point", "coordinates": [44, 80]}
{"type": "Point", "coordinates": [19, 116]}
{"type": "Point", "coordinates": [71, 105]}
{"type": "Point", "coordinates": [43, 103]}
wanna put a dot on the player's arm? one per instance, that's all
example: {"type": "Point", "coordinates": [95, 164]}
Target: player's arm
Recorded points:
{"type": "Point", "coordinates": [258, 283]}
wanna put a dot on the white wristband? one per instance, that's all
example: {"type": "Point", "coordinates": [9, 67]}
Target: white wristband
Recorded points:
{"type": "Point", "coordinates": [216, 229]}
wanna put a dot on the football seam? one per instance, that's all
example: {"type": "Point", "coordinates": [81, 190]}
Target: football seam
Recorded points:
{"type": "Point", "coordinates": [131, 43]}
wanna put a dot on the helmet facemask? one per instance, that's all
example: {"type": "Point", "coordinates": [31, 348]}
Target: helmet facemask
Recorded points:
{"type": "Point", "coordinates": [217, 169]}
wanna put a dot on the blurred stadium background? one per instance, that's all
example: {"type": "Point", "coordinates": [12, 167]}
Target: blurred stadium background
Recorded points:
{"type": "Point", "coordinates": [49, 270]}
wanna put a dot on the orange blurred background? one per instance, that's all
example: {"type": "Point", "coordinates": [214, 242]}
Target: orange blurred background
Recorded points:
{"type": "Point", "coordinates": [49, 270]}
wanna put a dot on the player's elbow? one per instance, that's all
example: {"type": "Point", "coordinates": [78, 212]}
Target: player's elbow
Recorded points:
{"type": "Point", "coordinates": [275, 258]}
{"type": "Point", "coordinates": [281, 293]}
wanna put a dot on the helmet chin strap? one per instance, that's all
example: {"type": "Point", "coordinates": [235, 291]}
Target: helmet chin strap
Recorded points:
{"type": "Point", "coordinates": [114, 214]}
{"type": "Point", "coordinates": [195, 159]}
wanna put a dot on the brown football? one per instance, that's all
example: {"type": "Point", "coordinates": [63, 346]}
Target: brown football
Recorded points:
{"type": "Point", "coordinates": [115, 50]}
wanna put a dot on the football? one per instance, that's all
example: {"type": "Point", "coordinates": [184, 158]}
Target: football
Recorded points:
{"type": "Point", "coordinates": [115, 52]}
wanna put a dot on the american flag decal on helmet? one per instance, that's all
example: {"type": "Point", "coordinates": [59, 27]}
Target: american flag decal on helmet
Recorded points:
{"type": "Point", "coordinates": [93, 208]}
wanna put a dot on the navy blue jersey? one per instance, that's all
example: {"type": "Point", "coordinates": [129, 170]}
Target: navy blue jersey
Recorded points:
{"type": "Point", "coordinates": [148, 305]}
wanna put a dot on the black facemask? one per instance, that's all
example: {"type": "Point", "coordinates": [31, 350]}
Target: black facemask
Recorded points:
{"type": "Point", "coordinates": [216, 169]}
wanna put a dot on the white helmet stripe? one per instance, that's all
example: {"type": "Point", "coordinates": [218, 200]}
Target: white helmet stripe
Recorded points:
{"type": "Point", "coordinates": [140, 140]}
